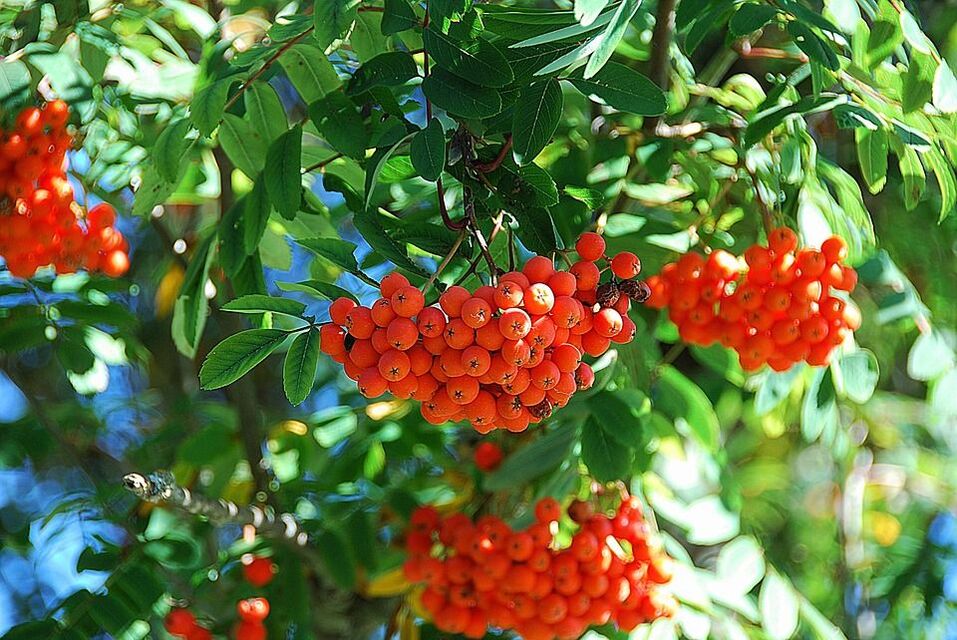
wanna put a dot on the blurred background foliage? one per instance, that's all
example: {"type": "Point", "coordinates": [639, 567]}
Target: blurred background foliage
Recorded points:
{"type": "Point", "coordinates": [813, 503]}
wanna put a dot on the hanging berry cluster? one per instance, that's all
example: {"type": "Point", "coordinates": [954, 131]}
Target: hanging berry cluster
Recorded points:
{"type": "Point", "coordinates": [500, 357]}
{"type": "Point", "coordinates": [40, 222]}
{"type": "Point", "coordinates": [485, 575]}
{"type": "Point", "coordinates": [258, 571]}
{"type": "Point", "coordinates": [778, 310]}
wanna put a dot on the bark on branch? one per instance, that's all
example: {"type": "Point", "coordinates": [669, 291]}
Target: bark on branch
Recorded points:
{"type": "Point", "coordinates": [160, 487]}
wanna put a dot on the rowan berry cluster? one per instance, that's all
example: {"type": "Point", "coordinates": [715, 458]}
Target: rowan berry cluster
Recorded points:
{"type": "Point", "coordinates": [258, 571]}
{"type": "Point", "coordinates": [777, 309]}
{"type": "Point", "coordinates": [500, 357]}
{"type": "Point", "coordinates": [485, 575]}
{"type": "Point", "coordinates": [40, 222]}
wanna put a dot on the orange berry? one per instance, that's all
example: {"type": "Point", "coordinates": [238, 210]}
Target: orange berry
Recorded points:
{"type": "Point", "coordinates": [834, 249]}
{"type": "Point", "coordinates": [539, 299]}
{"type": "Point", "coordinates": [407, 301]}
{"type": "Point", "coordinates": [508, 294]}
{"type": "Point", "coordinates": [359, 323]}
{"type": "Point", "coordinates": [259, 571]}
{"type": "Point", "coordinates": [371, 383]}
{"type": "Point", "coordinates": [452, 300]}
{"type": "Point", "coordinates": [256, 609]}
{"type": "Point", "coordinates": [562, 283]}
{"type": "Point", "coordinates": [607, 323]}
{"type": "Point", "coordinates": [476, 312]}
{"type": "Point", "coordinates": [476, 361]}
{"type": "Point", "coordinates": [547, 510]}
{"type": "Point", "coordinates": [782, 240]}
{"type": "Point", "coordinates": [586, 274]}
{"type": "Point", "coordinates": [392, 283]}
{"type": "Point", "coordinates": [514, 324]}
{"type": "Point", "coordinates": [462, 390]}
{"type": "Point", "coordinates": [538, 269]}
{"type": "Point", "coordinates": [459, 335]}
{"type": "Point", "coordinates": [382, 313]}
{"type": "Point", "coordinates": [488, 456]}
{"type": "Point", "coordinates": [590, 246]}
{"type": "Point", "coordinates": [394, 365]}
{"type": "Point", "coordinates": [179, 622]}
{"type": "Point", "coordinates": [115, 263]}
{"type": "Point", "coordinates": [340, 308]}
{"type": "Point", "coordinates": [431, 322]}
{"type": "Point", "coordinates": [626, 265]}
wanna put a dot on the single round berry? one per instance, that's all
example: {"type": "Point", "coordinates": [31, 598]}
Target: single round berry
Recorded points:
{"type": "Point", "coordinates": [590, 246]}
{"type": "Point", "coordinates": [626, 265]}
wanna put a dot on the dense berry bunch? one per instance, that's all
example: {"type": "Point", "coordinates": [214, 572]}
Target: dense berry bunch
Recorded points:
{"type": "Point", "coordinates": [485, 575]}
{"type": "Point", "coordinates": [776, 310]}
{"type": "Point", "coordinates": [500, 357]}
{"type": "Point", "coordinates": [40, 222]}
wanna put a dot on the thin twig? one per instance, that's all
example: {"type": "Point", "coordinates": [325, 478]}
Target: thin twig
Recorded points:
{"type": "Point", "coordinates": [745, 50]}
{"type": "Point", "coordinates": [444, 210]}
{"type": "Point", "coordinates": [488, 167]}
{"type": "Point", "coordinates": [445, 262]}
{"type": "Point", "coordinates": [473, 265]}
{"type": "Point", "coordinates": [469, 206]}
{"type": "Point", "coordinates": [256, 75]}
{"type": "Point", "coordinates": [322, 164]}
{"type": "Point", "coordinates": [658, 65]}
{"type": "Point", "coordinates": [161, 487]}
{"type": "Point", "coordinates": [766, 215]}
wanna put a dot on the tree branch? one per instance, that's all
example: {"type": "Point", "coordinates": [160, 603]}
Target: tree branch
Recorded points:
{"type": "Point", "coordinates": [261, 70]}
{"type": "Point", "coordinates": [161, 488]}
{"type": "Point", "coordinates": [658, 65]}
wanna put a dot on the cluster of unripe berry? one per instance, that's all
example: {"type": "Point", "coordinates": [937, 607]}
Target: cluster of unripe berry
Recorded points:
{"type": "Point", "coordinates": [776, 309]}
{"type": "Point", "coordinates": [40, 222]}
{"type": "Point", "coordinates": [258, 571]}
{"type": "Point", "coordinates": [485, 575]}
{"type": "Point", "coordinates": [500, 357]}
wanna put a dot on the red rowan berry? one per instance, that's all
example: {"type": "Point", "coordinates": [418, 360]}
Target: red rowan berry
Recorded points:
{"type": "Point", "coordinates": [590, 246]}
{"type": "Point", "coordinates": [402, 333]}
{"type": "Point", "coordinates": [392, 283]}
{"type": "Point", "coordinates": [179, 622]}
{"type": "Point", "coordinates": [407, 301]}
{"type": "Point", "coordinates": [431, 322]}
{"type": "Point", "coordinates": [476, 312]}
{"type": "Point", "coordinates": [834, 249]}
{"type": "Point", "coordinates": [250, 630]}
{"type": "Point", "coordinates": [339, 309]}
{"type": "Point", "coordinates": [452, 300]}
{"type": "Point", "coordinates": [586, 274]}
{"type": "Point", "coordinates": [259, 571]}
{"type": "Point", "coordinates": [255, 609]}
{"type": "Point", "coordinates": [488, 456]}
{"type": "Point", "coordinates": [538, 269]}
{"type": "Point", "coordinates": [626, 265]}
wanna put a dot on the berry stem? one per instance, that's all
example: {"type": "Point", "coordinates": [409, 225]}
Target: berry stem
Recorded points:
{"type": "Point", "coordinates": [445, 262]}
{"type": "Point", "coordinates": [488, 167]}
{"type": "Point", "coordinates": [161, 487]}
{"type": "Point", "coordinates": [322, 163]}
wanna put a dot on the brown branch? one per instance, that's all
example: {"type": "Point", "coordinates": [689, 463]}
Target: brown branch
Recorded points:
{"type": "Point", "coordinates": [444, 210]}
{"type": "Point", "coordinates": [322, 163]}
{"type": "Point", "coordinates": [661, 37]}
{"type": "Point", "coordinates": [445, 262]}
{"type": "Point", "coordinates": [160, 487]}
{"type": "Point", "coordinates": [269, 62]}
{"type": "Point", "coordinates": [488, 167]}
{"type": "Point", "coordinates": [745, 50]}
